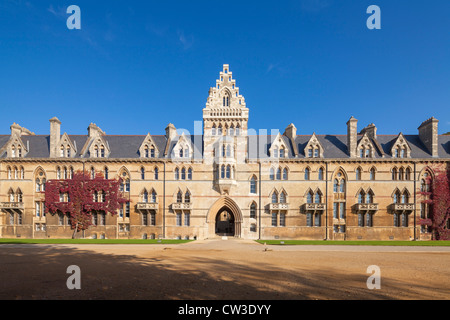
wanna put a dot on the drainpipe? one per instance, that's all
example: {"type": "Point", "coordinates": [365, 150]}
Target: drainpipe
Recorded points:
{"type": "Point", "coordinates": [415, 201]}
{"type": "Point", "coordinates": [326, 201]}
{"type": "Point", "coordinates": [164, 201]}
{"type": "Point", "coordinates": [259, 206]}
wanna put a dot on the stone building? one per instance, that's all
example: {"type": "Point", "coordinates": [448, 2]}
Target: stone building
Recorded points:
{"type": "Point", "coordinates": [229, 179]}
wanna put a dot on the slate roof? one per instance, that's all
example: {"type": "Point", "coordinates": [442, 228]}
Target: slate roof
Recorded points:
{"type": "Point", "coordinates": [335, 146]}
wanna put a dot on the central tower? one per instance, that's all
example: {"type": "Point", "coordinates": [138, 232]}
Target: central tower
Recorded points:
{"type": "Point", "coordinates": [225, 119]}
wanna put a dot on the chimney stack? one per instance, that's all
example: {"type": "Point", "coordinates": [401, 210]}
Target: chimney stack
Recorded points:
{"type": "Point", "coordinates": [428, 134]}
{"type": "Point", "coordinates": [171, 132]}
{"type": "Point", "coordinates": [55, 135]}
{"type": "Point", "coordinates": [371, 131]}
{"type": "Point", "coordinates": [291, 132]}
{"type": "Point", "coordinates": [95, 131]}
{"type": "Point", "coordinates": [352, 137]}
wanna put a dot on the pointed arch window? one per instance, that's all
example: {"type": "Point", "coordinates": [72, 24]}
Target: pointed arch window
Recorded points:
{"type": "Point", "coordinates": [183, 174]}
{"type": "Point", "coordinates": [321, 174]}
{"type": "Point", "coordinates": [187, 197]}
{"type": "Point", "coordinates": [142, 173]}
{"type": "Point", "coordinates": [222, 171]}
{"type": "Point", "coordinates": [179, 197]}
{"type": "Point", "coordinates": [189, 175]}
{"type": "Point", "coordinates": [408, 174]}
{"type": "Point", "coordinates": [156, 173]}
{"type": "Point", "coordinates": [358, 174]}
{"type": "Point", "coordinates": [394, 174]}
{"type": "Point", "coordinates": [177, 174]}
{"type": "Point", "coordinates": [307, 174]}
{"type": "Point", "coordinates": [283, 197]}
{"type": "Point", "coordinates": [369, 197]}
{"type": "Point", "coordinates": [214, 130]}
{"type": "Point", "coordinates": [145, 196]}
{"type": "Point", "coordinates": [253, 181]}
{"type": "Point", "coordinates": [397, 197]}
{"type": "Point", "coordinates": [372, 174]}
{"type": "Point", "coordinates": [285, 174]}
{"type": "Point", "coordinates": [272, 174]}
{"type": "Point", "coordinates": [279, 174]}
{"type": "Point", "coordinates": [275, 153]}
{"type": "Point", "coordinates": [401, 174]}
{"type": "Point", "coordinates": [309, 197]}
{"type": "Point", "coordinates": [318, 197]}
{"type": "Point", "coordinates": [361, 197]}
{"type": "Point", "coordinates": [231, 130]}
{"type": "Point", "coordinates": [253, 211]}
{"type": "Point", "coordinates": [11, 196]}
{"type": "Point", "coordinates": [153, 198]}
{"type": "Point", "coordinates": [274, 197]}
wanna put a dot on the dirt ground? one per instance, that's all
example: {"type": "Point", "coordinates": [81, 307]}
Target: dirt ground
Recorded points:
{"type": "Point", "coordinates": [223, 270]}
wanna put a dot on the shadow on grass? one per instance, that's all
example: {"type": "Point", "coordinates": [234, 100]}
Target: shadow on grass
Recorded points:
{"type": "Point", "coordinates": [39, 272]}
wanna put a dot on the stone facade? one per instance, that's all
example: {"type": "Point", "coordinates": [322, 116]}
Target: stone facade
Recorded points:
{"type": "Point", "coordinates": [227, 180]}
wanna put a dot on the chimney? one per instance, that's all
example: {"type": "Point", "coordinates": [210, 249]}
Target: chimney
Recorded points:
{"type": "Point", "coordinates": [428, 134]}
{"type": "Point", "coordinates": [16, 129]}
{"type": "Point", "coordinates": [55, 135]}
{"type": "Point", "coordinates": [371, 131]}
{"type": "Point", "coordinates": [20, 131]}
{"type": "Point", "coordinates": [171, 132]}
{"type": "Point", "coordinates": [352, 137]}
{"type": "Point", "coordinates": [291, 132]}
{"type": "Point", "coordinates": [95, 131]}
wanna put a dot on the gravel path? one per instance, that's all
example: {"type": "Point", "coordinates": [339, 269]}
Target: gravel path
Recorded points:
{"type": "Point", "coordinates": [223, 269]}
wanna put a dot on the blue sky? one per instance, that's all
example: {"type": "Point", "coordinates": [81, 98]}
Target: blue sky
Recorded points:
{"type": "Point", "coordinates": [136, 66]}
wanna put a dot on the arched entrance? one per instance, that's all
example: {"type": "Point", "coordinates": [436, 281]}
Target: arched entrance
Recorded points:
{"type": "Point", "coordinates": [225, 223]}
{"type": "Point", "coordinates": [224, 218]}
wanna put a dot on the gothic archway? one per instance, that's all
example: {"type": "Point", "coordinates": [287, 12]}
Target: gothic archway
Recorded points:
{"type": "Point", "coordinates": [224, 218]}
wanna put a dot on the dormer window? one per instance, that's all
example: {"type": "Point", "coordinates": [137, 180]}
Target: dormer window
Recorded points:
{"type": "Point", "coordinates": [365, 152]}
{"type": "Point", "coordinates": [400, 148]}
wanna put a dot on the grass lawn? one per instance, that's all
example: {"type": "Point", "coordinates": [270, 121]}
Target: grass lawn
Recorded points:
{"type": "Point", "coordinates": [355, 243]}
{"type": "Point", "coordinates": [91, 241]}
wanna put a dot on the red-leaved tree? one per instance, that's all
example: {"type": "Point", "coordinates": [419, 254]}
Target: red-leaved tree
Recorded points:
{"type": "Point", "coordinates": [436, 194]}
{"type": "Point", "coordinates": [81, 196]}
